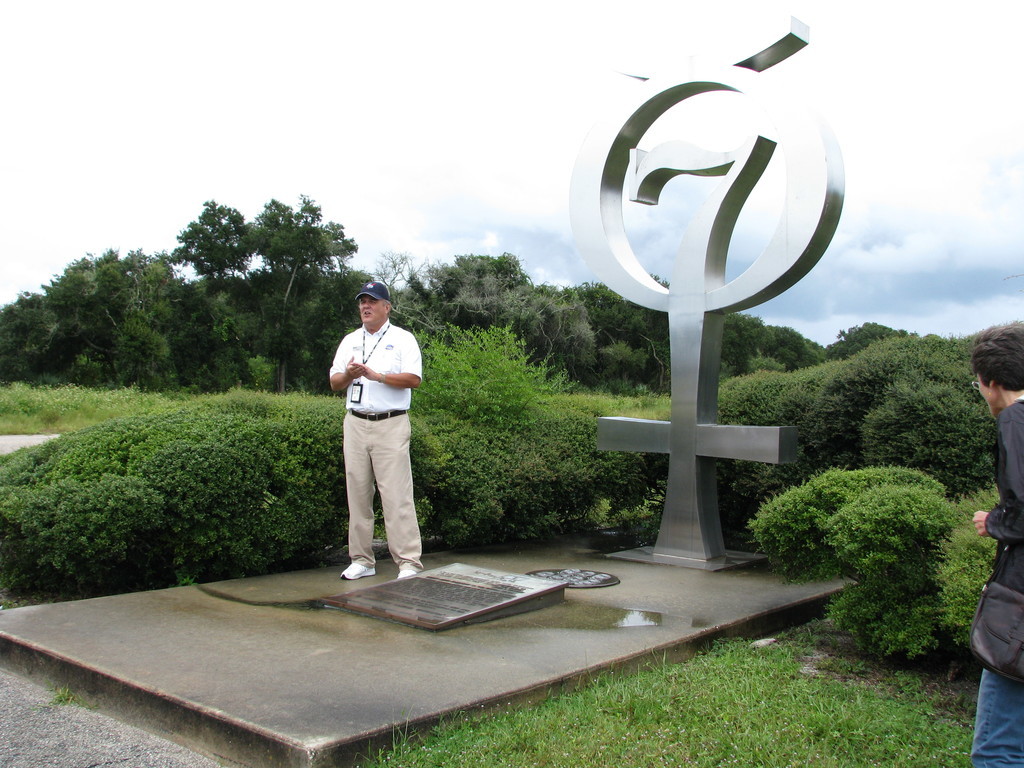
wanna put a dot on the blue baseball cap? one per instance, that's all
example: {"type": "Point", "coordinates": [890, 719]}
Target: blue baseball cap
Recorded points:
{"type": "Point", "coordinates": [375, 289]}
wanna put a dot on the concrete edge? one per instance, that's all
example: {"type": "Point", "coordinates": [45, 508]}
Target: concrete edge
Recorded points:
{"type": "Point", "coordinates": [236, 742]}
{"type": "Point", "coordinates": [204, 730]}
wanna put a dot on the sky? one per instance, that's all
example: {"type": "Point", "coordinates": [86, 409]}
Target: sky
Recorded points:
{"type": "Point", "coordinates": [449, 128]}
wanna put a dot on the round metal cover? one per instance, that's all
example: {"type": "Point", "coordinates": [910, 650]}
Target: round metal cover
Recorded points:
{"type": "Point", "coordinates": [577, 578]}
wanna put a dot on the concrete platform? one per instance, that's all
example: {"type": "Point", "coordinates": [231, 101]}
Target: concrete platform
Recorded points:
{"type": "Point", "coordinates": [246, 672]}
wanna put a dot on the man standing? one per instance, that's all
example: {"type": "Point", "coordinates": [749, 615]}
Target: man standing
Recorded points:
{"type": "Point", "coordinates": [997, 360]}
{"type": "Point", "coordinates": [379, 365]}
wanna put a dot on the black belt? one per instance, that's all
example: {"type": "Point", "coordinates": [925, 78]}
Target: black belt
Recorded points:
{"type": "Point", "coordinates": [377, 416]}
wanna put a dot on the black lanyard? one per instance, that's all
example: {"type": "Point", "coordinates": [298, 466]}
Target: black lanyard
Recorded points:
{"type": "Point", "coordinates": [368, 356]}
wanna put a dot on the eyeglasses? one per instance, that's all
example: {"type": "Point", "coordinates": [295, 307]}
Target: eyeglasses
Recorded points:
{"type": "Point", "coordinates": [976, 384]}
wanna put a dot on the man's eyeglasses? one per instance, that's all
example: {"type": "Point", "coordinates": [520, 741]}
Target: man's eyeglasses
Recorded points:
{"type": "Point", "coordinates": [976, 384]}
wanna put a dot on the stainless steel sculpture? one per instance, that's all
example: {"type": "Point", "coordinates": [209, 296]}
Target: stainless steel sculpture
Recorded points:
{"type": "Point", "coordinates": [699, 296]}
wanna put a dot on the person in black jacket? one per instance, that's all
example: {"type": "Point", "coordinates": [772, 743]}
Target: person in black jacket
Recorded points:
{"type": "Point", "coordinates": [997, 360]}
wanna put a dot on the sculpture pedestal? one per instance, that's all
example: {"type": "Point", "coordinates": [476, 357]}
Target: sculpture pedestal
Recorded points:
{"type": "Point", "coordinates": [731, 559]}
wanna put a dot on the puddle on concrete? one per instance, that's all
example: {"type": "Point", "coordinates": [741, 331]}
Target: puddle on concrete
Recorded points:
{"type": "Point", "coordinates": [568, 615]}
{"type": "Point", "coordinates": [639, 619]}
{"type": "Point", "coordinates": [597, 617]}
{"type": "Point", "coordinates": [583, 615]}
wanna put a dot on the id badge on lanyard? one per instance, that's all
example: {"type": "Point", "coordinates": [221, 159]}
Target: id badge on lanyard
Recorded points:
{"type": "Point", "coordinates": [357, 393]}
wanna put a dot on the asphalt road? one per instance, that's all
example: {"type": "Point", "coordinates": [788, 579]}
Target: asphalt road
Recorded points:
{"type": "Point", "coordinates": [11, 443]}
{"type": "Point", "coordinates": [38, 733]}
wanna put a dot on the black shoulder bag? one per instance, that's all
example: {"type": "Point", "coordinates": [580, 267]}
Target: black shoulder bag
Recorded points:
{"type": "Point", "coordinates": [997, 632]}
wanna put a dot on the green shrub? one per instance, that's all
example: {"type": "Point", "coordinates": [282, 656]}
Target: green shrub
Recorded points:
{"type": "Point", "coordinates": [888, 539]}
{"type": "Point", "coordinates": [26, 467]}
{"type": "Point", "coordinates": [965, 566]}
{"type": "Point", "coordinates": [74, 536]}
{"type": "Point", "coordinates": [792, 528]}
{"type": "Point", "coordinates": [903, 401]}
{"type": "Point", "coordinates": [248, 483]}
{"type": "Point", "coordinates": [891, 532]}
{"type": "Point", "coordinates": [215, 496]}
{"type": "Point", "coordinates": [881, 527]}
{"type": "Point", "coordinates": [885, 622]}
{"type": "Point", "coordinates": [239, 485]}
{"type": "Point", "coordinates": [856, 386]}
{"type": "Point", "coordinates": [765, 399]}
{"type": "Point", "coordinates": [499, 485]}
{"type": "Point", "coordinates": [482, 375]}
{"type": "Point", "coordinates": [940, 428]}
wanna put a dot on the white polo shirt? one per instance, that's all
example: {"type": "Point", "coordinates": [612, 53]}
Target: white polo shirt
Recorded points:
{"type": "Point", "coordinates": [389, 350]}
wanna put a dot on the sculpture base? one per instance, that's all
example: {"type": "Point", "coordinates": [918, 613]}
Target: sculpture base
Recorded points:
{"type": "Point", "coordinates": [731, 559]}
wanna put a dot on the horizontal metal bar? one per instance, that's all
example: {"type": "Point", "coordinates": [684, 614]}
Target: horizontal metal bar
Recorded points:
{"type": "Point", "coordinates": [771, 445]}
{"type": "Point", "coordinates": [618, 433]}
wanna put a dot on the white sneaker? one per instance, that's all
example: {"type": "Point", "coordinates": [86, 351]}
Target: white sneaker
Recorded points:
{"type": "Point", "coordinates": [357, 571]}
{"type": "Point", "coordinates": [407, 573]}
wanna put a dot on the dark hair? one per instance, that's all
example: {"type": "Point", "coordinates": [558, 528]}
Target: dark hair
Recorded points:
{"type": "Point", "coordinates": [998, 355]}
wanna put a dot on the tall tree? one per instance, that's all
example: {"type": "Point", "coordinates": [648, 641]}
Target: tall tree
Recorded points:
{"type": "Point", "coordinates": [27, 330]}
{"type": "Point", "coordinates": [258, 275]}
{"type": "Point", "coordinates": [296, 250]}
{"type": "Point", "coordinates": [217, 244]}
{"type": "Point", "coordinates": [111, 315]}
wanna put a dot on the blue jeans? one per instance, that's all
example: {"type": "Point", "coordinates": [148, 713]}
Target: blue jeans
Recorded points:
{"type": "Point", "coordinates": [999, 724]}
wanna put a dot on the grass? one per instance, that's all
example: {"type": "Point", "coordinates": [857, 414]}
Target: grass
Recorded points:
{"type": "Point", "coordinates": [64, 696]}
{"type": "Point", "coordinates": [641, 406]}
{"type": "Point", "coordinates": [31, 410]}
{"type": "Point", "coordinates": [800, 702]}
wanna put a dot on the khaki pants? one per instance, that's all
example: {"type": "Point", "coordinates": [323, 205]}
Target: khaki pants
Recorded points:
{"type": "Point", "coordinates": [377, 455]}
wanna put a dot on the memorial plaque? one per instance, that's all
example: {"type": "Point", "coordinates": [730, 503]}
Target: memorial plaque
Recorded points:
{"type": "Point", "coordinates": [446, 597]}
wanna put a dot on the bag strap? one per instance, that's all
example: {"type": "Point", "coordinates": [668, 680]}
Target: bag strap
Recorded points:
{"type": "Point", "coordinates": [1002, 556]}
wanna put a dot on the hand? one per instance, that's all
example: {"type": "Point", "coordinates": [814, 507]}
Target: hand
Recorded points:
{"type": "Point", "coordinates": [979, 523]}
{"type": "Point", "coordinates": [355, 370]}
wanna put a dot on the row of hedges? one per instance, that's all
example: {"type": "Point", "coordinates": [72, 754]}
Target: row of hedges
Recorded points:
{"type": "Point", "coordinates": [915, 562]}
{"type": "Point", "coordinates": [236, 485]}
{"type": "Point", "coordinates": [904, 401]}
{"type": "Point", "coordinates": [249, 483]}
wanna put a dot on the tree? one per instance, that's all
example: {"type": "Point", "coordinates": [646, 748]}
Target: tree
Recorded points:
{"type": "Point", "coordinates": [27, 327]}
{"type": "Point", "coordinates": [853, 340]}
{"type": "Point", "coordinates": [257, 275]}
{"type": "Point", "coordinates": [744, 339]}
{"type": "Point", "coordinates": [217, 244]}
{"type": "Point", "coordinates": [295, 251]}
{"type": "Point", "coordinates": [749, 345]}
{"type": "Point", "coordinates": [791, 349]}
{"type": "Point", "coordinates": [631, 341]}
{"type": "Point", "coordinates": [103, 321]}
{"type": "Point", "coordinates": [474, 291]}
{"type": "Point", "coordinates": [485, 291]}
